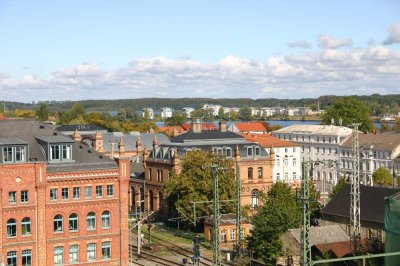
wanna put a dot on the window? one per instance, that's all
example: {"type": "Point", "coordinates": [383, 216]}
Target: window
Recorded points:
{"type": "Point", "coordinates": [323, 139]}
{"type": "Point", "coordinates": [233, 234]}
{"type": "Point", "coordinates": [12, 197]}
{"type": "Point", "coordinates": [65, 193]}
{"type": "Point", "coordinates": [278, 163]}
{"type": "Point", "coordinates": [260, 172]}
{"type": "Point", "coordinates": [106, 219]}
{"type": "Point", "coordinates": [294, 149]}
{"type": "Point", "coordinates": [12, 258]}
{"type": "Point", "coordinates": [14, 154]}
{"type": "Point", "coordinates": [323, 150]}
{"type": "Point", "coordinates": [11, 228]}
{"type": "Point", "coordinates": [294, 162]}
{"type": "Point", "coordinates": [286, 161]}
{"type": "Point", "coordinates": [286, 176]}
{"type": "Point", "coordinates": [76, 192]}
{"type": "Point", "coordinates": [88, 192]}
{"type": "Point", "coordinates": [242, 233]}
{"type": "Point", "coordinates": [110, 188]}
{"type": "Point", "coordinates": [91, 221]}
{"type": "Point", "coordinates": [286, 150]}
{"type": "Point", "coordinates": [73, 222]}
{"type": "Point", "coordinates": [223, 235]}
{"type": "Point", "coordinates": [53, 194]}
{"type": "Point", "coordinates": [228, 152]}
{"type": "Point", "coordinates": [27, 257]}
{"type": "Point", "coordinates": [329, 150]}
{"type": "Point", "coordinates": [250, 173]}
{"type": "Point", "coordinates": [26, 226]}
{"type": "Point", "coordinates": [61, 152]}
{"type": "Point", "coordinates": [257, 151]}
{"type": "Point", "coordinates": [74, 254]}
{"type": "Point", "coordinates": [91, 251]}
{"type": "Point", "coordinates": [58, 255]}
{"type": "Point", "coordinates": [58, 223]}
{"type": "Point", "coordinates": [317, 151]}
{"type": "Point", "coordinates": [278, 176]}
{"type": "Point", "coordinates": [249, 151]}
{"type": "Point", "coordinates": [317, 139]}
{"type": "Point", "coordinates": [99, 191]}
{"type": "Point", "coordinates": [24, 196]}
{"type": "Point", "coordinates": [294, 175]}
{"type": "Point", "coordinates": [254, 198]}
{"type": "Point", "coordinates": [106, 250]}
{"type": "Point", "coordinates": [309, 149]}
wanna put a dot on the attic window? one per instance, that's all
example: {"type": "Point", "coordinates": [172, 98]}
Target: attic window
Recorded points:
{"type": "Point", "coordinates": [14, 154]}
{"type": "Point", "coordinates": [60, 152]}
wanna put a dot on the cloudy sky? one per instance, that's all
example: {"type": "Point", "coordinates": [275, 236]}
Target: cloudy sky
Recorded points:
{"type": "Point", "coordinates": [101, 49]}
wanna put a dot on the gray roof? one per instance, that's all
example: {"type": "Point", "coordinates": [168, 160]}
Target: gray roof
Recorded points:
{"type": "Point", "coordinates": [316, 129]}
{"type": "Point", "coordinates": [206, 135]}
{"type": "Point", "coordinates": [84, 158]}
{"type": "Point", "coordinates": [380, 141]}
{"type": "Point", "coordinates": [131, 138]}
{"type": "Point", "coordinates": [12, 140]}
{"type": "Point", "coordinates": [81, 127]}
{"type": "Point", "coordinates": [322, 234]}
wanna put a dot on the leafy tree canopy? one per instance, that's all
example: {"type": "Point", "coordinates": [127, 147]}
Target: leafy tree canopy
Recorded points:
{"type": "Point", "coordinates": [245, 113]}
{"type": "Point", "coordinates": [43, 112]}
{"type": "Point", "coordinates": [382, 177]}
{"type": "Point", "coordinates": [279, 212]}
{"type": "Point", "coordinates": [195, 183]}
{"type": "Point", "coordinates": [350, 110]}
{"type": "Point", "coordinates": [176, 120]}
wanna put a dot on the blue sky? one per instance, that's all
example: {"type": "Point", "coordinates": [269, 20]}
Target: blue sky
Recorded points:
{"type": "Point", "coordinates": [287, 49]}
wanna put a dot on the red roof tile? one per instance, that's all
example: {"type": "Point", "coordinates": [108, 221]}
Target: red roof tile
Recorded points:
{"type": "Point", "coordinates": [250, 127]}
{"type": "Point", "coordinates": [204, 126]}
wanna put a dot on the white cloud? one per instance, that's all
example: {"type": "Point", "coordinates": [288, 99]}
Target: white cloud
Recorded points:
{"type": "Point", "coordinates": [299, 44]}
{"type": "Point", "coordinates": [342, 72]}
{"type": "Point", "coordinates": [329, 42]}
{"type": "Point", "coordinates": [394, 34]}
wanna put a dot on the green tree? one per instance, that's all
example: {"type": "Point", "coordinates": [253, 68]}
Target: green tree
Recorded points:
{"type": "Point", "coordinates": [245, 113]}
{"type": "Point", "coordinates": [350, 110]}
{"type": "Point", "coordinates": [43, 112]}
{"type": "Point", "coordinates": [195, 183]}
{"type": "Point", "coordinates": [221, 113]}
{"type": "Point", "coordinates": [382, 177]}
{"type": "Point", "coordinates": [338, 187]}
{"type": "Point", "coordinates": [385, 127]}
{"type": "Point", "coordinates": [280, 211]}
{"type": "Point", "coordinates": [77, 110]}
{"type": "Point", "coordinates": [397, 125]}
{"type": "Point", "coordinates": [176, 120]}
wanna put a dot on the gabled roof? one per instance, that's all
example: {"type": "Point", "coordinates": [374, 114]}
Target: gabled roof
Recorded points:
{"type": "Point", "coordinates": [204, 126]}
{"type": "Point", "coordinates": [81, 127]}
{"type": "Point", "coordinates": [206, 135]}
{"type": "Point", "coordinates": [380, 141]}
{"type": "Point", "coordinates": [322, 234]}
{"type": "Point", "coordinates": [315, 129]}
{"type": "Point", "coordinates": [371, 203]}
{"type": "Point", "coordinates": [266, 140]}
{"type": "Point", "coordinates": [250, 127]}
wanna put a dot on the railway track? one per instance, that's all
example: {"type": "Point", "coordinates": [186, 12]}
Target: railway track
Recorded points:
{"type": "Point", "coordinates": [151, 257]}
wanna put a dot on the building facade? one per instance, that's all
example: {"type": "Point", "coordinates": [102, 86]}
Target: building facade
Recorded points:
{"type": "Point", "coordinates": [61, 202]}
{"type": "Point", "coordinates": [318, 142]}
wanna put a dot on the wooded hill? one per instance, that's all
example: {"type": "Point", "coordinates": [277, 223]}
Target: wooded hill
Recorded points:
{"type": "Point", "coordinates": [379, 104]}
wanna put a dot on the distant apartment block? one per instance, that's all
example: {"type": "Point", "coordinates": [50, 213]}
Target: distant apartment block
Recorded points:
{"type": "Point", "coordinates": [188, 111]}
{"type": "Point", "coordinates": [148, 113]}
{"type": "Point", "coordinates": [166, 112]}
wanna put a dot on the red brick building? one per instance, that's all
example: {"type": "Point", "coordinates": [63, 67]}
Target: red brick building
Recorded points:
{"type": "Point", "coordinates": [61, 202]}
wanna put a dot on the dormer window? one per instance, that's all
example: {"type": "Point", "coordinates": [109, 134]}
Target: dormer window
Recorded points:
{"type": "Point", "coordinates": [14, 154]}
{"type": "Point", "coordinates": [60, 152]}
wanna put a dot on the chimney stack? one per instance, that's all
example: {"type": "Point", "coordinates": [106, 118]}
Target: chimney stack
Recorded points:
{"type": "Point", "coordinates": [222, 126]}
{"type": "Point", "coordinates": [196, 125]}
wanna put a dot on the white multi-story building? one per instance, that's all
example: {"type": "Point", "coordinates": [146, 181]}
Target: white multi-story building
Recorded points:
{"type": "Point", "coordinates": [188, 111]}
{"type": "Point", "coordinates": [213, 108]}
{"type": "Point", "coordinates": [166, 112]}
{"type": "Point", "coordinates": [148, 112]}
{"type": "Point", "coordinates": [318, 142]}
{"type": "Point", "coordinates": [376, 151]}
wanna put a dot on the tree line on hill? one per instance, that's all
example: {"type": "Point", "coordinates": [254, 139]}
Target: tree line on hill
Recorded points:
{"type": "Point", "coordinates": [378, 104]}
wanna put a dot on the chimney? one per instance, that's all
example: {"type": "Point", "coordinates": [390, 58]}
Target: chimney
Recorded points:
{"type": "Point", "coordinates": [196, 125]}
{"type": "Point", "coordinates": [98, 142]}
{"type": "Point", "coordinates": [222, 126]}
{"type": "Point", "coordinates": [139, 145]}
{"type": "Point", "coordinates": [121, 146]}
{"type": "Point", "coordinates": [77, 136]}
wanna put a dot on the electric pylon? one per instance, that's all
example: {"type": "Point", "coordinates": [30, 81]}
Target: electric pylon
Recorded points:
{"type": "Point", "coordinates": [355, 226]}
{"type": "Point", "coordinates": [305, 259]}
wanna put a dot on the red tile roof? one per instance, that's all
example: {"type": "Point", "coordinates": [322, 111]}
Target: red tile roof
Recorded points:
{"type": "Point", "coordinates": [204, 126]}
{"type": "Point", "coordinates": [250, 127]}
{"type": "Point", "coordinates": [266, 140]}
{"type": "Point", "coordinates": [171, 130]}
{"type": "Point", "coordinates": [2, 116]}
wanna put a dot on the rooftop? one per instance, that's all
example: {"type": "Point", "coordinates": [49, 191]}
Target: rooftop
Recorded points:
{"type": "Point", "coordinates": [266, 140]}
{"type": "Point", "coordinates": [206, 135]}
{"type": "Point", "coordinates": [81, 127]}
{"type": "Point", "coordinates": [322, 234]}
{"type": "Point", "coordinates": [316, 129]}
{"type": "Point", "coordinates": [250, 126]}
{"type": "Point", "coordinates": [380, 141]}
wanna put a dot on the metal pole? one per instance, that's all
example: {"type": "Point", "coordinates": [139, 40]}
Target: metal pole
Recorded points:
{"type": "Point", "coordinates": [179, 213]}
{"type": "Point", "coordinates": [216, 250]}
{"type": "Point", "coordinates": [139, 237]}
{"type": "Point", "coordinates": [355, 193]}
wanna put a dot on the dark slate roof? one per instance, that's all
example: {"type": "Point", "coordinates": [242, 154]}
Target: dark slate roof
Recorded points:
{"type": "Point", "coordinates": [82, 127]}
{"type": "Point", "coordinates": [371, 203]}
{"type": "Point", "coordinates": [12, 141]}
{"type": "Point", "coordinates": [55, 139]}
{"type": "Point", "coordinates": [84, 158]}
{"type": "Point", "coordinates": [131, 138]}
{"type": "Point", "coordinates": [382, 141]}
{"type": "Point", "coordinates": [206, 135]}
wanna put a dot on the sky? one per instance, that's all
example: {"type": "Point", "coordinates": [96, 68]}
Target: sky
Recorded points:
{"type": "Point", "coordinates": [75, 50]}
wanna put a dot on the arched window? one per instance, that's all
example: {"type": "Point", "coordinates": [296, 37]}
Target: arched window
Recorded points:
{"type": "Point", "coordinates": [26, 257]}
{"type": "Point", "coordinates": [106, 220]}
{"type": "Point", "coordinates": [12, 258]}
{"type": "Point", "coordinates": [91, 221]}
{"type": "Point", "coordinates": [26, 226]}
{"type": "Point", "coordinates": [250, 173]}
{"type": "Point", "coordinates": [233, 234]}
{"type": "Point", "coordinates": [11, 228]}
{"type": "Point", "coordinates": [58, 223]}
{"type": "Point", "coordinates": [223, 235]}
{"type": "Point", "coordinates": [73, 222]}
{"type": "Point", "coordinates": [254, 198]}
{"type": "Point", "coordinates": [260, 172]}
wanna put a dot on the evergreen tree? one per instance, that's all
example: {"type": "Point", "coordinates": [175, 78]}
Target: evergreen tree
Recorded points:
{"type": "Point", "coordinates": [43, 112]}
